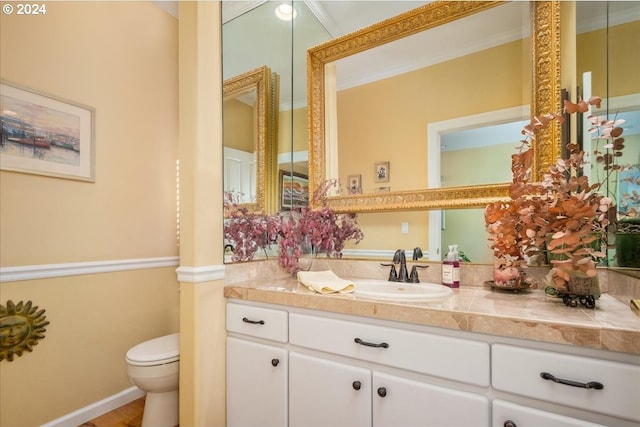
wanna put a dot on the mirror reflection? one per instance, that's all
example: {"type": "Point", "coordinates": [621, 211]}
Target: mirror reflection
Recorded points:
{"type": "Point", "coordinates": [246, 137]}
{"type": "Point", "coordinates": [424, 119]}
{"type": "Point", "coordinates": [606, 65]}
{"type": "Point", "coordinates": [362, 123]}
{"type": "Point", "coordinates": [329, 20]}
{"type": "Point", "coordinates": [386, 97]}
{"type": "Point", "coordinates": [253, 36]}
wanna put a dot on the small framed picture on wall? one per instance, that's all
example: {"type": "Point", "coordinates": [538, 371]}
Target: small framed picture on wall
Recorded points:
{"type": "Point", "coordinates": [381, 172]}
{"type": "Point", "coordinates": [355, 184]}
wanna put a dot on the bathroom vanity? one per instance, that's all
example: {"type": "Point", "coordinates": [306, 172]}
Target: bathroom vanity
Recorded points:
{"type": "Point", "coordinates": [477, 358]}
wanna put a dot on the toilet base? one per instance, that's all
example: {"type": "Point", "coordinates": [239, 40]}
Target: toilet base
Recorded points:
{"type": "Point", "coordinates": [161, 410]}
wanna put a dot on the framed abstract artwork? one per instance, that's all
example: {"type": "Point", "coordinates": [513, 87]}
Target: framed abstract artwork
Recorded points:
{"type": "Point", "coordinates": [45, 135]}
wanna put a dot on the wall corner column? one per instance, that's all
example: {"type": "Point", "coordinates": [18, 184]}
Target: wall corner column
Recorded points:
{"type": "Point", "coordinates": [201, 271]}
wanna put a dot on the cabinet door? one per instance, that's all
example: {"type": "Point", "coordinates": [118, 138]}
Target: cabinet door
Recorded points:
{"type": "Point", "coordinates": [400, 402]}
{"type": "Point", "coordinates": [325, 393]}
{"type": "Point", "coordinates": [509, 414]}
{"type": "Point", "coordinates": [256, 384]}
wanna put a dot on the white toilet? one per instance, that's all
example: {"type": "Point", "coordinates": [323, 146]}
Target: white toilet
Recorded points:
{"type": "Point", "coordinates": [153, 367]}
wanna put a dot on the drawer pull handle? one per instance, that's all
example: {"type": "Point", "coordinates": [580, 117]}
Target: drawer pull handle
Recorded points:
{"type": "Point", "coordinates": [591, 384]}
{"type": "Point", "coordinates": [357, 385]}
{"type": "Point", "coordinates": [382, 391]}
{"type": "Point", "coordinates": [370, 344]}
{"type": "Point", "coordinates": [274, 362]}
{"type": "Point", "coordinates": [253, 322]}
{"type": "Point", "coordinates": [509, 423]}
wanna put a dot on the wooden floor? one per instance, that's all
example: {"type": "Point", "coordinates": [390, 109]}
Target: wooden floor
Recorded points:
{"type": "Point", "coordinates": [129, 415]}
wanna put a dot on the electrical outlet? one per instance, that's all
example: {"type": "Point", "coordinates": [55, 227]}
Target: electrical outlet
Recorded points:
{"type": "Point", "coordinates": [404, 228]}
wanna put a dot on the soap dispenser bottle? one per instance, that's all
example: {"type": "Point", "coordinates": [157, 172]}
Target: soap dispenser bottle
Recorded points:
{"type": "Point", "coordinates": [451, 268]}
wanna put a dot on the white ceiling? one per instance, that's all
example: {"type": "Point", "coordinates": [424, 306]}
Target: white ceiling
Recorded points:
{"type": "Point", "coordinates": [259, 38]}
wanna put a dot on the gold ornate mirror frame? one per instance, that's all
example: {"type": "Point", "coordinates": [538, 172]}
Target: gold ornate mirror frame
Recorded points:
{"type": "Point", "coordinates": [545, 35]}
{"type": "Point", "coordinates": [260, 79]}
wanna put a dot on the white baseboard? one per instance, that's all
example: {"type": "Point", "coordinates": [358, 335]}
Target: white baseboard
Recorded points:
{"type": "Point", "coordinates": [94, 410]}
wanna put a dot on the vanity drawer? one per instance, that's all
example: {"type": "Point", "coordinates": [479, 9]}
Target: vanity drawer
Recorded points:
{"type": "Point", "coordinates": [523, 416]}
{"type": "Point", "coordinates": [518, 370]}
{"type": "Point", "coordinates": [440, 356]}
{"type": "Point", "coordinates": [258, 322]}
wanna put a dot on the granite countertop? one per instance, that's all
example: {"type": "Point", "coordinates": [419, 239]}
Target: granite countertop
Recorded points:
{"type": "Point", "coordinates": [612, 325]}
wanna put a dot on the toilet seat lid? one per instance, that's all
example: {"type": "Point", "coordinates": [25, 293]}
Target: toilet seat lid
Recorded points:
{"type": "Point", "coordinates": [162, 349]}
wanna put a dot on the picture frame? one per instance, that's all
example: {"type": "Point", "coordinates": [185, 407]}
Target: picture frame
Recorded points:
{"type": "Point", "coordinates": [355, 184]}
{"type": "Point", "coordinates": [293, 190]}
{"type": "Point", "coordinates": [381, 172]}
{"type": "Point", "coordinates": [45, 135]}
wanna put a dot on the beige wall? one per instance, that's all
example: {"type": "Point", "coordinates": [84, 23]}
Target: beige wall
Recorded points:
{"type": "Point", "coordinates": [493, 79]}
{"type": "Point", "coordinates": [122, 59]}
{"type": "Point", "coordinates": [94, 319]}
{"type": "Point", "coordinates": [299, 131]}
{"type": "Point", "coordinates": [623, 60]}
{"type": "Point", "coordinates": [239, 125]}
{"type": "Point", "coordinates": [387, 120]}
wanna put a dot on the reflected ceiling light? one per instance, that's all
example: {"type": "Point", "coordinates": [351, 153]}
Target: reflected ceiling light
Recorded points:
{"type": "Point", "coordinates": [286, 12]}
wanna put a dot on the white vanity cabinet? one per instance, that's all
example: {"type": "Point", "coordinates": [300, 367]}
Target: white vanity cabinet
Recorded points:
{"type": "Point", "coordinates": [257, 372]}
{"type": "Point", "coordinates": [351, 371]}
{"type": "Point", "coordinates": [328, 393]}
{"type": "Point", "coordinates": [360, 395]}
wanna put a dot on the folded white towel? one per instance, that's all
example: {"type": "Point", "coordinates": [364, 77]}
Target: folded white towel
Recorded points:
{"type": "Point", "coordinates": [325, 282]}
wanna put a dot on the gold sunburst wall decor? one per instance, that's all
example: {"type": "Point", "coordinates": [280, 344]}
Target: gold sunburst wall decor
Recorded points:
{"type": "Point", "coordinates": [21, 326]}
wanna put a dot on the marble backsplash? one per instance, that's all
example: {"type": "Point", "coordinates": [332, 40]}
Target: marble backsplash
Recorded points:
{"type": "Point", "coordinates": [621, 286]}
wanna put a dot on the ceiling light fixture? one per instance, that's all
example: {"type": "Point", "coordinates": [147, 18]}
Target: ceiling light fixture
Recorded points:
{"type": "Point", "coordinates": [286, 12]}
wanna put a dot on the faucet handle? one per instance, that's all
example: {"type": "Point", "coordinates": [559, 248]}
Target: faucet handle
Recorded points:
{"type": "Point", "coordinates": [413, 277]}
{"type": "Point", "coordinates": [393, 274]}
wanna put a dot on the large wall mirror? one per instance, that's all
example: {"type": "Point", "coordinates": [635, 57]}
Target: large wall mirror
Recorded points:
{"type": "Point", "coordinates": [252, 25]}
{"type": "Point", "coordinates": [436, 96]}
{"type": "Point", "coordinates": [373, 107]}
{"type": "Point", "coordinates": [258, 38]}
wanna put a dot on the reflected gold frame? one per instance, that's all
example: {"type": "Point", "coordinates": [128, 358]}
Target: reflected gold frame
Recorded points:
{"type": "Point", "coordinates": [545, 51]}
{"type": "Point", "coordinates": [260, 79]}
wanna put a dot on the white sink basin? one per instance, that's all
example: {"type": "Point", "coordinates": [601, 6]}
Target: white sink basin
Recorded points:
{"type": "Point", "coordinates": [397, 291]}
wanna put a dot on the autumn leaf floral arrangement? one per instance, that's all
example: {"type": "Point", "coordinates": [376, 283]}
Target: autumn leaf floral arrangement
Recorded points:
{"type": "Point", "coordinates": [564, 215]}
{"type": "Point", "coordinates": [514, 226]}
{"type": "Point", "coordinates": [316, 230]}
{"type": "Point", "coordinates": [299, 232]}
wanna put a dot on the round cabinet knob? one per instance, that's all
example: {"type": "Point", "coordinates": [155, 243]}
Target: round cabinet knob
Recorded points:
{"type": "Point", "coordinates": [274, 362]}
{"type": "Point", "coordinates": [509, 423]}
{"type": "Point", "coordinates": [382, 391]}
{"type": "Point", "coordinates": [357, 385]}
